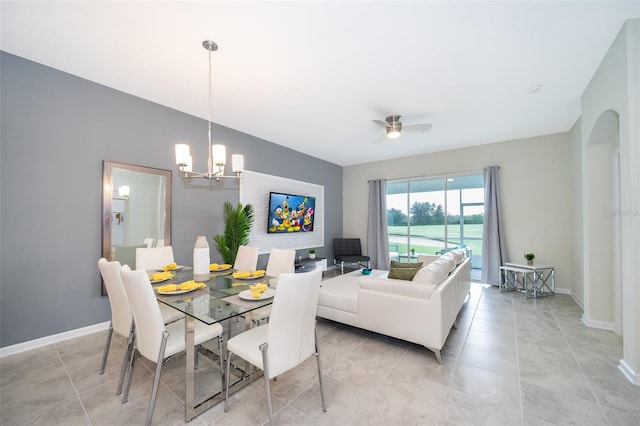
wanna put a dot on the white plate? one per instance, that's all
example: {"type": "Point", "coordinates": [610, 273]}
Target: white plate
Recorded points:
{"type": "Point", "coordinates": [170, 293]}
{"type": "Point", "coordinates": [159, 281]}
{"type": "Point", "coordinates": [251, 277]}
{"type": "Point", "coordinates": [246, 295]}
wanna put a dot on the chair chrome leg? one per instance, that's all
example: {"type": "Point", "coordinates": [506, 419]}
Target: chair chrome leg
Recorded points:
{"type": "Point", "coordinates": [128, 352]}
{"type": "Point", "coordinates": [156, 379]}
{"type": "Point", "coordinates": [317, 354]}
{"type": "Point", "coordinates": [105, 353]}
{"type": "Point", "coordinates": [267, 387]}
{"type": "Point", "coordinates": [125, 396]}
{"type": "Point", "coordinates": [226, 388]}
{"type": "Point", "coordinates": [222, 375]}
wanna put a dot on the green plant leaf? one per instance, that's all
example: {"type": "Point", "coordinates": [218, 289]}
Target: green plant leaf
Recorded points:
{"type": "Point", "coordinates": [237, 226]}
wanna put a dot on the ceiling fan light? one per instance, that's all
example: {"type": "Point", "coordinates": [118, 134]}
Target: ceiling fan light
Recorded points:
{"type": "Point", "coordinates": [393, 134]}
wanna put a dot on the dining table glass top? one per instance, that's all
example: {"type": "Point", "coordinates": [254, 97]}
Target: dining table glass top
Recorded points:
{"type": "Point", "coordinates": [219, 300]}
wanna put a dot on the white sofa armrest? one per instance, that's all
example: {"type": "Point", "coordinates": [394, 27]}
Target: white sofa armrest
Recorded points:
{"type": "Point", "coordinates": [397, 287]}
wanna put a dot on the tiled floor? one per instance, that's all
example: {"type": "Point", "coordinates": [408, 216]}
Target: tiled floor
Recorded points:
{"type": "Point", "coordinates": [511, 361]}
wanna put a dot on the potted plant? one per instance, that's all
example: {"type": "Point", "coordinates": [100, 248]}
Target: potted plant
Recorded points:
{"type": "Point", "coordinates": [237, 225]}
{"type": "Point", "coordinates": [312, 253]}
{"type": "Point", "coordinates": [413, 252]}
{"type": "Point", "coordinates": [529, 257]}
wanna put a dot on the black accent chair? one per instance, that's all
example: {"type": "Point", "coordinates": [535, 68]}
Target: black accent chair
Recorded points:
{"type": "Point", "coordinates": [349, 250]}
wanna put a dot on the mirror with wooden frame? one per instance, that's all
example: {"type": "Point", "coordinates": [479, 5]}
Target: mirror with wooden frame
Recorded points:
{"type": "Point", "coordinates": [136, 210]}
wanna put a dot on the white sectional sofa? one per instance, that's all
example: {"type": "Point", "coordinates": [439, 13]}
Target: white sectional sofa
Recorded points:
{"type": "Point", "coordinates": [421, 311]}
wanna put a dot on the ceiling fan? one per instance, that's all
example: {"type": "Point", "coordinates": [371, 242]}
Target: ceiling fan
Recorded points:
{"type": "Point", "coordinates": [394, 127]}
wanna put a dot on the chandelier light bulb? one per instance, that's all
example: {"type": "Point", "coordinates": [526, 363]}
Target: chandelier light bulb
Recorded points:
{"type": "Point", "coordinates": [237, 163]}
{"type": "Point", "coordinates": [219, 155]}
{"type": "Point", "coordinates": [183, 153]}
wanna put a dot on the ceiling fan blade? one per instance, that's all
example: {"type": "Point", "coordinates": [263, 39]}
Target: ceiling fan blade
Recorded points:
{"type": "Point", "coordinates": [382, 123]}
{"type": "Point", "coordinates": [425, 127]}
{"type": "Point", "coordinates": [380, 138]}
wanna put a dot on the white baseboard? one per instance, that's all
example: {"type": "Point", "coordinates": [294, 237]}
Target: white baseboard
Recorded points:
{"type": "Point", "coordinates": [563, 290]}
{"type": "Point", "coordinates": [631, 375]}
{"type": "Point", "coordinates": [603, 325]}
{"type": "Point", "coordinates": [55, 338]}
{"type": "Point", "coordinates": [575, 299]}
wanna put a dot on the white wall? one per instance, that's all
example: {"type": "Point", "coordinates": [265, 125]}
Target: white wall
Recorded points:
{"type": "Point", "coordinates": [537, 185]}
{"type": "Point", "coordinates": [616, 87]}
{"type": "Point", "coordinates": [576, 207]}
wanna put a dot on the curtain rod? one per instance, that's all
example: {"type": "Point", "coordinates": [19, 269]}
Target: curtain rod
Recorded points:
{"type": "Point", "coordinates": [464, 172]}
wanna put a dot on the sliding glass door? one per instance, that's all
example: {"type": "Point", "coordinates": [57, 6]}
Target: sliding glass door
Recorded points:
{"type": "Point", "coordinates": [431, 216]}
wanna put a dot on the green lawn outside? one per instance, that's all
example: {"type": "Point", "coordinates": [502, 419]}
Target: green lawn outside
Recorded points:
{"type": "Point", "coordinates": [436, 232]}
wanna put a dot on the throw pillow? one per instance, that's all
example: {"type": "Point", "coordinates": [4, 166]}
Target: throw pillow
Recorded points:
{"type": "Point", "coordinates": [403, 273]}
{"type": "Point", "coordinates": [395, 265]}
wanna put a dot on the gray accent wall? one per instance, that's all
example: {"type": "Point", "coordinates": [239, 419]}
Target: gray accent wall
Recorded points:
{"type": "Point", "coordinates": [56, 129]}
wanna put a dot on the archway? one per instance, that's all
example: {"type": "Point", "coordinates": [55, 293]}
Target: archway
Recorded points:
{"type": "Point", "coordinates": [603, 284]}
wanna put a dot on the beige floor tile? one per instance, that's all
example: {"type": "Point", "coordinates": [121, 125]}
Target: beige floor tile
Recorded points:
{"type": "Point", "coordinates": [489, 386]}
{"type": "Point", "coordinates": [557, 407]}
{"type": "Point", "coordinates": [15, 405]}
{"type": "Point", "coordinates": [511, 361]}
{"type": "Point", "coordinates": [462, 409]}
{"type": "Point", "coordinates": [407, 399]}
{"type": "Point", "coordinates": [67, 412]}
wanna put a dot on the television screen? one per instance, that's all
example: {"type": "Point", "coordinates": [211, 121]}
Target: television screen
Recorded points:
{"type": "Point", "coordinates": [290, 213]}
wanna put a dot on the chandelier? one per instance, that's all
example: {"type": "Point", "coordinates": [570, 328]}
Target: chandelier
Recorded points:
{"type": "Point", "coordinates": [217, 153]}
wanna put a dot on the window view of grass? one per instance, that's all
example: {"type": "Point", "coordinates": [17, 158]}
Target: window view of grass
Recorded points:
{"type": "Point", "coordinates": [429, 239]}
{"type": "Point", "coordinates": [427, 216]}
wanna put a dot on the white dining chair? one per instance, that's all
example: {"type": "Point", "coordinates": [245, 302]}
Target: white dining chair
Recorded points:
{"type": "Point", "coordinates": [280, 261]}
{"type": "Point", "coordinates": [288, 339]}
{"type": "Point", "coordinates": [121, 316]}
{"type": "Point", "coordinates": [153, 258]}
{"type": "Point", "coordinates": [246, 259]}
{"type": "Point", "coordinates": [155, 341]}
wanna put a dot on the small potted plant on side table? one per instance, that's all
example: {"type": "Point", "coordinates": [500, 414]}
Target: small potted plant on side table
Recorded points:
{"type": "Point", "coordinates": [529, 257]}
{"type": "Point", "coordinates": [312, 253]}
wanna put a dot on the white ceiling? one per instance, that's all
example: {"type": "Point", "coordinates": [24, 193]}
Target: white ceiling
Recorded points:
{"type": "Point", "coordinates": [312, 76]}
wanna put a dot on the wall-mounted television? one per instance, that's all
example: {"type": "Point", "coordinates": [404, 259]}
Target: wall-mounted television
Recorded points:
{"type": "Point", "coordinates": [289, 213]}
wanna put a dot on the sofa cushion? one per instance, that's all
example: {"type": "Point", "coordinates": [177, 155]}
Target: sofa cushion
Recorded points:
{"type": "Point", "coordinates": [450, 259]}
{"type": "Point", "coordinates": [427, 258]}
{"type": "Point", "coordinates": [458, 255]}
{"type": "Point", "coordinates": [395, 287]}
{"type": "Point", "coordinates": [434, 273]}
{"type": "Point", "coordinates": [403, 273]}
{"type": "Point", "coordinates": [340, 293]}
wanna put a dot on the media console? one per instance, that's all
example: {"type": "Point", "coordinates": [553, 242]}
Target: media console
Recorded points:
{"type": "Point", "coordinates": [306, 264]}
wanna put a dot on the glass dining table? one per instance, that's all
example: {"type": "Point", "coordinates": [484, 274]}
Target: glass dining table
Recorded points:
{"type": "Point", "coordinates": [220, 301]}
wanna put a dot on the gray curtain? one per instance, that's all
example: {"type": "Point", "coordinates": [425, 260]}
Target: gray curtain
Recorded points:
{"type": "Point", "coordinates": [377, 232]}
{"type": "Point", "coordinates": [494, 253]}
